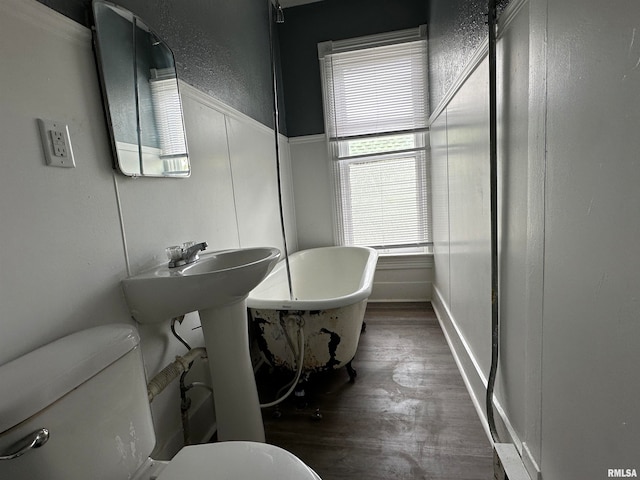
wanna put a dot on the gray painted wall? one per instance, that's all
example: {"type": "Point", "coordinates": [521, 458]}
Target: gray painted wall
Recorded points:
{"type": "Point", "coordinates": [456, 29]}
{"type": "Point", "coordinates": [307, 25]}
{"type": "Point", "coordinates": [221, 47]}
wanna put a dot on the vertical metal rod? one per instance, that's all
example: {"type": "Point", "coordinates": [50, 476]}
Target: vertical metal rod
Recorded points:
{"type": "Point", "coordinates": [276, 129]}
{"type": "Point", "coordinates": [493, 173]}
{"type": "Point", "coordinates": [136, 92]}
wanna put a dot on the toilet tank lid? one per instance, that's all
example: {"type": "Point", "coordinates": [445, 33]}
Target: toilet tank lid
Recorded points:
{"type": "Point", "coordinates": [34, 381]}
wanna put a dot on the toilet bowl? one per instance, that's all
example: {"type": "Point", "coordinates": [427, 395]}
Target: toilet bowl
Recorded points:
{"type": "Point", "coordinates": [89, 391]}
{"type": "Point", "coordinates": [236, 459]}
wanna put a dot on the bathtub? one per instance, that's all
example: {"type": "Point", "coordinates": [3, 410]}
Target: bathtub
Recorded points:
{"type": "Point", "coordinates": [331, 286]}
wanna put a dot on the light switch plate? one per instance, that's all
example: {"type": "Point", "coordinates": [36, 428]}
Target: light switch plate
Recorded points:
{"type": "Point", "coordinates": [56, 143]}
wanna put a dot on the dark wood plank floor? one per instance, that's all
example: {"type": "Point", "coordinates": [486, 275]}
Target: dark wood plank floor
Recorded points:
{"type": "Point", "coordinates": [407, 416]}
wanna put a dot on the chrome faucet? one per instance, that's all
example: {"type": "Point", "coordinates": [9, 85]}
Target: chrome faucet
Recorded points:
{"type": "Point", "coordinates": [186, 254]}
{"type": "Point", "coordinates": [190, 254]}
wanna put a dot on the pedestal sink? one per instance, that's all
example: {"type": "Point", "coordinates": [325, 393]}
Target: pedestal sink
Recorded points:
{"type": "Point", "coordinates": [217, 286]}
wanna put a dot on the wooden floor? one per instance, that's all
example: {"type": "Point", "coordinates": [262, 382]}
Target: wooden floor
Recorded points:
{"type": "Point", "coordinates": [407, 416]}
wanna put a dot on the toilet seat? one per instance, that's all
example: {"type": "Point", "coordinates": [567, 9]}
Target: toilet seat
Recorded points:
{"type": "Point", "coordinates": [234, 460]}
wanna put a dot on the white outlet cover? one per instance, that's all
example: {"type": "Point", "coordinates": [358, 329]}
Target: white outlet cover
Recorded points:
{"type": "Point", "coordinates": [60, 154]}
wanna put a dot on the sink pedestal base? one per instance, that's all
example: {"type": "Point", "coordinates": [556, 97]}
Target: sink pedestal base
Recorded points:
{"type": "Point", "coordinates": [235, 396]}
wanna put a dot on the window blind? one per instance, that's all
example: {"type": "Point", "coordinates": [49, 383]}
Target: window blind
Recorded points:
{"type": "Point", "coordinates": [376, 90]}
{"type": "Point", "coordinates": [386, 200]}
{"type": "Point", "coordinates": [168, 116]}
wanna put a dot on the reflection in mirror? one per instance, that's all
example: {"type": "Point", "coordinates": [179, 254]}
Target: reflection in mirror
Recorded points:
{"type": "Point", "coordinates": [140, 93]}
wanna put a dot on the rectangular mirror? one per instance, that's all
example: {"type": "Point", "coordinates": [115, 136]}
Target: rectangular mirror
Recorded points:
{"type": "Point", "coordinates": [140, 93]}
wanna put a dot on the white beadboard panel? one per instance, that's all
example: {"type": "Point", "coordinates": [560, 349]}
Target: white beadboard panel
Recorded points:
{"type": "Point", "coordinates": [288, 196]}
{"type": "Point", "coordinates": [469, 212]}
{"type": "Point", "coordinates": [513, 85]}
{"type": "Point", "coordinates": [214, 204]}
{"type": "Point", "coordinates": [311, 169]}
{"type": "Point", "coordinates": [401, 291]}
{"type": "Point", "coordinates": [401, 287]}
{"type": "Point", "coordinates": [590, 381]}
{"type": "Point", "coordinates": [159, 212]}
{"type": "Point", "coordinates": [440, 203]}
{"type": "Point", "coordinates": [257, 128]}
{"type": "Point", "coordinates": [253, 165]}
{"type": "Point", "coordinates": [61, 257]}
{"type": "Point", "coordinates": [403, 278]}
{"type": "Point", "coordinates": [537, 125]}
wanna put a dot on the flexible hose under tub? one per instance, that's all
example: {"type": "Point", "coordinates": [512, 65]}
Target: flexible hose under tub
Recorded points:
{"type": "Point", "coordinates": [300, 363]}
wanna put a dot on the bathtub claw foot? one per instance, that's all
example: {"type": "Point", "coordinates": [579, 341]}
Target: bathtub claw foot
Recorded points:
{"type": "Point", "coordinates": [352, 373]}
{"type": "Point", "coordinates": [317, 416]}
{"type": "Point", "coordinates": [364, 327]}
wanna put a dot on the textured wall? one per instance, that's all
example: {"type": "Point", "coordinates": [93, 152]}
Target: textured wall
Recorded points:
{"type": "Point", "coordinates": [307, 25]}
{"type": "Point", "coordinates": [221, 47]}
{"type": "Point", "coordinates": [456, 29]}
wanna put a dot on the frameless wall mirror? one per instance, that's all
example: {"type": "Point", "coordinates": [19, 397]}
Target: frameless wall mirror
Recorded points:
{"type": "Point", "coordinates": [140, 93]}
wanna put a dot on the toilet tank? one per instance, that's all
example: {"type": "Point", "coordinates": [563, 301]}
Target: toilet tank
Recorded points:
{"type": "Point", "coordinates": [89, 390]}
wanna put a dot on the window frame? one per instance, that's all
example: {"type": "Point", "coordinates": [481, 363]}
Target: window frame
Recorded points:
{"type": "Point", "coordinates": [340, 162]}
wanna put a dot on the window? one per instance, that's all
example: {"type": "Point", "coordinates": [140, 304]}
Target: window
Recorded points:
{"type": "Point", "coordinates": [375, 99]}
{"type": "Point", "coordinates": [167, 111]}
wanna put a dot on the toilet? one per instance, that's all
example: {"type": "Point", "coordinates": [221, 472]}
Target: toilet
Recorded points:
{"type": "Point", "coordinates": [88, 390]}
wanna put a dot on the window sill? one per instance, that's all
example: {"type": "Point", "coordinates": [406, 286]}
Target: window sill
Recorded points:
{"type": "Point", "coordinates": [395, 261]}
{"type": "Point", "coordinates": [405, 252]}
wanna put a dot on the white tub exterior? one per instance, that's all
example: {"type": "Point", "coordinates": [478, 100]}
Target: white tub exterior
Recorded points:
{"type": "Point", "coordinates": [330, 288]}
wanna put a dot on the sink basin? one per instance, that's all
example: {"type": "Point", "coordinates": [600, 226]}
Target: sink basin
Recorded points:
{"type": "Point", "coordinates": [216, 279]}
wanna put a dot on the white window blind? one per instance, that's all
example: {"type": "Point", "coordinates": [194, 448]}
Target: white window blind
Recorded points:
{"type": "Point", "coordinates": [375, 93]}
{"type": "Point", "coordinates": [377, 90]}
{"type": "Point", "coordinates": [167, 111]}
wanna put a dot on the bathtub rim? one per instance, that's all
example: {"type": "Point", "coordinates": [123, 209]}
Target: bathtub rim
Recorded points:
{"type": "Point", "coordinates": [362, 293]}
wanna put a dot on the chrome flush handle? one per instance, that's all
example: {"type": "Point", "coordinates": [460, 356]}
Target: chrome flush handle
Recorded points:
{"type": "Point", "coordinates": [34, 440]}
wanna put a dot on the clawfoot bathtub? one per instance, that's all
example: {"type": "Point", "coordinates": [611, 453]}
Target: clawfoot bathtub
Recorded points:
{"type": "Point", "coordinates": [330, 287]}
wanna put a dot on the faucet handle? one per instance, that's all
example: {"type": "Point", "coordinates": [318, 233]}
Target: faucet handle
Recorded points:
{"type": "Point", "coordinates": [184, 254]}
{"type": "Point", "coordinates": [174, 253]}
